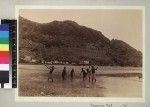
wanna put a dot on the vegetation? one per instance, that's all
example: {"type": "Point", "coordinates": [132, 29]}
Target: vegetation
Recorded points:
{"type": "Point", "coordinates": [70, 42]}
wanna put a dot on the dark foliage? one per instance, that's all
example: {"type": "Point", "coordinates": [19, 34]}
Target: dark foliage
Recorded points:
{"type": "Point", "coordinates": [70, 42]}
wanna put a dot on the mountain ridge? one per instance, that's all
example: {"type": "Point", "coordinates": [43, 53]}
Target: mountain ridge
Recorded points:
{"type": "Point", "coordinates": [69, 41]}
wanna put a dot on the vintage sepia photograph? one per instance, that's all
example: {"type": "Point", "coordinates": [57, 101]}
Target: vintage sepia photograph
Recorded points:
{"type": "Point", "coordinates": [80, 53]}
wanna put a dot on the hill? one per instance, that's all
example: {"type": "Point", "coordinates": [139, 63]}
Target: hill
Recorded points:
{"type": "Point", "coordinates": [67, 41]}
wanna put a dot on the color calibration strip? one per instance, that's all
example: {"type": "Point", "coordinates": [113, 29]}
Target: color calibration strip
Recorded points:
{"type": "Point", "coordinates": [13, 49]}
{"type": "Point", "coordinates": [4, 54]}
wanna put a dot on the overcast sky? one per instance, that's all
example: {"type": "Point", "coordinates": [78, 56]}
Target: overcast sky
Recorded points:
{"type": "Point", "coordinates": [124, 25]}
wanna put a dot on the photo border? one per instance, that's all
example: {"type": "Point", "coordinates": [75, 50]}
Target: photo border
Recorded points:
{"type": "Point", "coordinates": [81, 99]}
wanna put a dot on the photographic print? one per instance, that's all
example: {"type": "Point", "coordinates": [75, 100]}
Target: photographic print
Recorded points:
{"type": "Point", "coordinates": [80, 53]}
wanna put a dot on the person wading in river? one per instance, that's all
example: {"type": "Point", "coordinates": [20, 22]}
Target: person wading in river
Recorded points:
{"type": "Point", "coordinates": [50, 76]}
{"type": "Point", "coordinates": [72, 74]}
{"type": "Point", "coordinates": [93, 73]}
{"type": "Point", "coordinates": [84, 74]}
{"type": "Point", "coordinates": [64, 74]}
{"type": "Point", "coordinates": [88, 73]}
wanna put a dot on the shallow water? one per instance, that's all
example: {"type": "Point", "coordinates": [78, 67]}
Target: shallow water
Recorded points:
{"type": "Point", "coordinates": [33, 82]}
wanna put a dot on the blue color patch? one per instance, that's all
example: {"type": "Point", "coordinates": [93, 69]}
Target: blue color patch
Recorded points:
{"type": "Point", "coordinates": [4, 27]}
{"type": "Point", "coordinates": [4, 34]}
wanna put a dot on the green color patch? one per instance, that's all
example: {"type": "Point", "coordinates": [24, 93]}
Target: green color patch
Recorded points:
{"type": "Point", "coordinates": [4, 40]}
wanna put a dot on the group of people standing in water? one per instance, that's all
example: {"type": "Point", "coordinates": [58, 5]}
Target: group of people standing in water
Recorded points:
{"type": "Point", "coordinates": [86, 73]}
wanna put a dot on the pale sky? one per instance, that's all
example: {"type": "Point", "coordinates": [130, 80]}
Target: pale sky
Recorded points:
{"type": "Point", "coordinates": [124, 25]}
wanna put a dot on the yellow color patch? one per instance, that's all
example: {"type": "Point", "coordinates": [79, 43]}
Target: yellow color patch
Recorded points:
{"type": "Point", "coordinates": [4, 47]}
